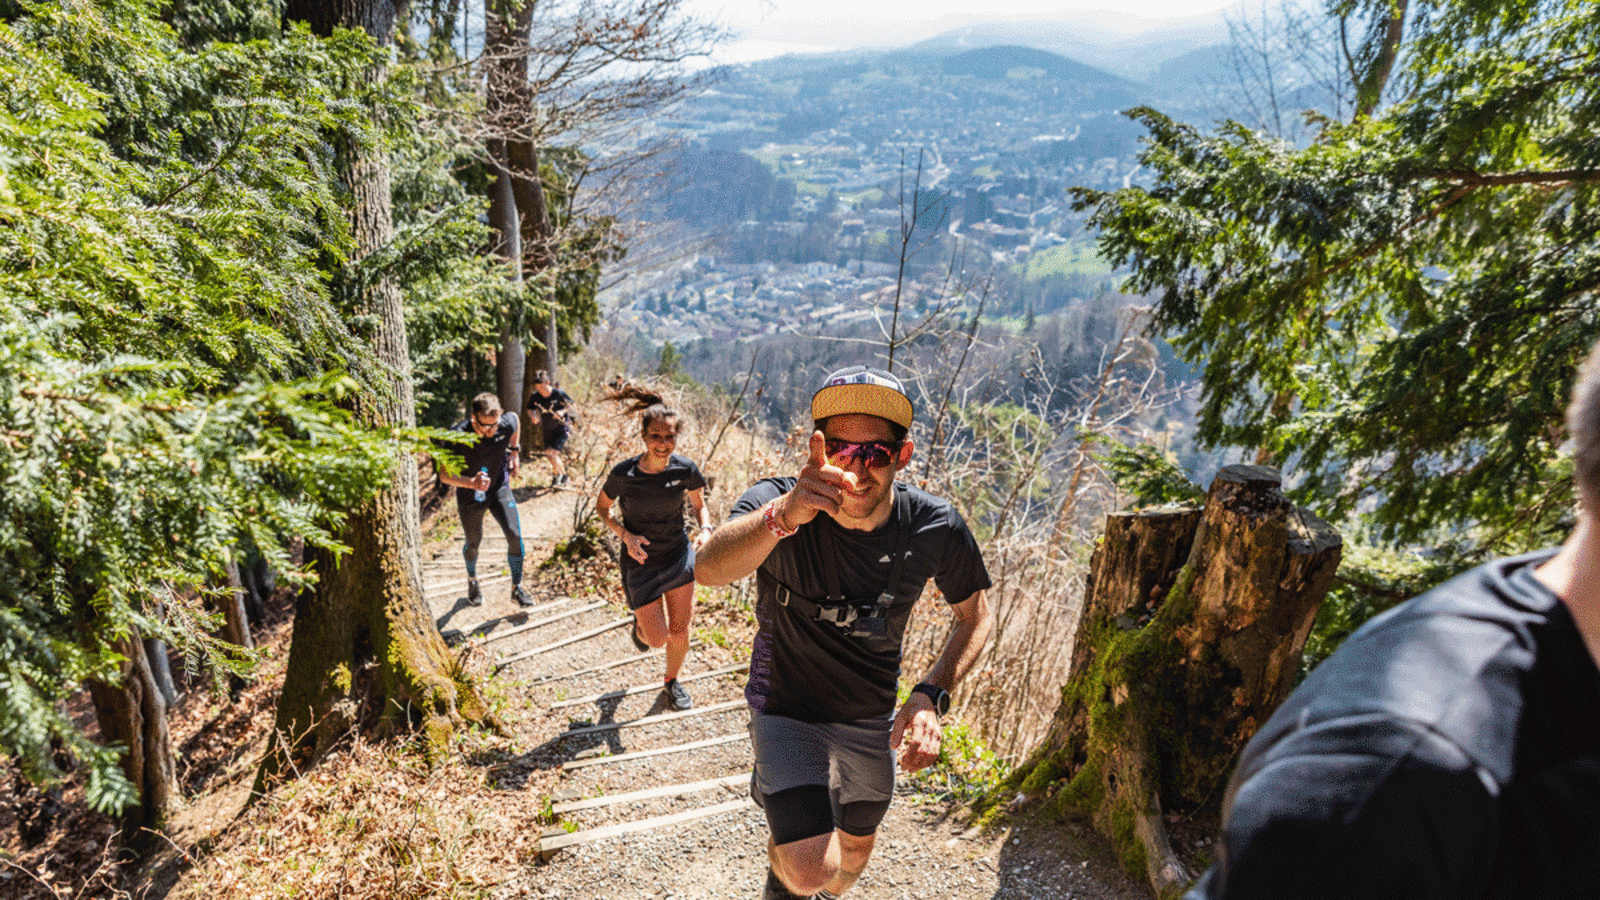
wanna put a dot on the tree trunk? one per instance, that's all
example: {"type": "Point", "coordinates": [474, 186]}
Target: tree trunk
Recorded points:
{"type": "Point", "coordinates": [131, 712]}
{"type": "Point", "coordinates": [538, 240]}
{"type": "Point", "coordinates": [363, 637]}
{"type": "Point", "coordinates": [1190, 636]}
{"type": "Point", "coordinates": [1370, 83]}
{"type": "Point", "coordinates": [235, 615]}
{"type": "Point", "coordinates": [504, 219]}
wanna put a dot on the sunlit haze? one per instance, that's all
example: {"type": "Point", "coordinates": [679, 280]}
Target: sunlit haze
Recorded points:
{"type": "Point", "coordinates": [761, 30]}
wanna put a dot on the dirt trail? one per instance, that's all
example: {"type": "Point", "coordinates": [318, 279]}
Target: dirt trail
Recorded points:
{"type": "Point", "coordinates": [654, 803]}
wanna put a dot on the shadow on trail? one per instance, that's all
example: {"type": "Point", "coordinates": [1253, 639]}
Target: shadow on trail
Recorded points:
{"type": "Point", "coordinates": [453, 636]}
{"type": "Point", "coordinates": [512, 774]}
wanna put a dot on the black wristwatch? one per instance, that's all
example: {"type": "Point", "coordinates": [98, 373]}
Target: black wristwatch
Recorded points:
{"type": "Point", "coordinates": [939, 696]}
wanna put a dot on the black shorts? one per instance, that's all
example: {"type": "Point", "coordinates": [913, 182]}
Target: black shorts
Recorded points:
{"type": "Point", "coordinates": [644, 583]}
{"type": "Point", "coordinates": [555, 436]}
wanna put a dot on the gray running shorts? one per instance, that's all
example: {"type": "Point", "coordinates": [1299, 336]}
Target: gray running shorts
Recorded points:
{"type": "Point", "coordinates": [852, 760]}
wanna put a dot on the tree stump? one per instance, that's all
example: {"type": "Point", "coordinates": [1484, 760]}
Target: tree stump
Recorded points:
{"type": "Point", "coordinates": [1190, 635]}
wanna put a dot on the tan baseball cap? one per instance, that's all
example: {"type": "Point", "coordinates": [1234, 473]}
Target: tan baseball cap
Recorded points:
{"type": "Point", "coordinates": [864, 390]}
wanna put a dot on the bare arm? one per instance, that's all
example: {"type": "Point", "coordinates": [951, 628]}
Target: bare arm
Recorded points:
{"type": "Point", "coordinates": [514, 448]}
{"type": "Point", "coordinates": [478, 482]}
{"type": "Point", "coordinates": [734, 550]}
{"type": "Point", "coordinates": [702, 517]}
{"type": "Point", "coordinates": [740, 545]}
{"type": "Point", "coordinates": [974, 621]}
{"type": "Point", "coordinates": [917, 732]}
{"type": "Point", "coordinates": [632, 544]}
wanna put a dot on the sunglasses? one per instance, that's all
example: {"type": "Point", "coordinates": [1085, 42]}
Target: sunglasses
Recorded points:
{"type": "Point", "coordinates": [872, 454]}
{"type": "Point", "coordinates": [482, 424]}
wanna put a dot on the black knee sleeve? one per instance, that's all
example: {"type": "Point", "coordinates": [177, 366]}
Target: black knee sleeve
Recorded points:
{"type": "Point", "coordinates": [862, 817]}
{"type": "Point", "coordinates": [799, 813]}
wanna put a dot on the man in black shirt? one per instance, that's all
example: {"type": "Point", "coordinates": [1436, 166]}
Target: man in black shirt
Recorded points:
{"type": "Point", "coordinates": [548, 407]}
{"type": "Point", "coordinates": [492, 462]}
{"type": "Point", "coordinates": [841, 554]}
{"type": "Point", "coordinates": [1450, 748]}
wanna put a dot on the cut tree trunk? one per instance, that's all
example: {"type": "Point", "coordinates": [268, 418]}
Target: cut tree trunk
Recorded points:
{"type": "Point", "coordinates": [1190, 635]}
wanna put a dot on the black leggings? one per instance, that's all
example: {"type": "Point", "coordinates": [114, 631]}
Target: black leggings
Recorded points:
{"type": "Point", "coordinates": [503, 506]}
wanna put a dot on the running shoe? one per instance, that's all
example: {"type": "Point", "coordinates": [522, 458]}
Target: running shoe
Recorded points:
{"type": "Point", "coordinates": [637, 640]}
{"type": "Point", "coordinates": [775, 889]}
{"type": "Point", "coordinates": [521, 596]}
{"type": "Point", "coordinates": [678, 696]}
{"type": "Point", "coordinates": [474, 593]}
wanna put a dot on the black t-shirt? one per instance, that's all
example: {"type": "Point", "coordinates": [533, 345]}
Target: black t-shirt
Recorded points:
{"type": "Point", "coordinates": [1449, 749]}
{"type": "Point", "coordinates": [816, 671]}
{"type": "Point", "coordinates": [557, 402]}
{"type": "Point", "coordinates": [652, 502]}
{"type": "Point", "coordinates": [488, 453]}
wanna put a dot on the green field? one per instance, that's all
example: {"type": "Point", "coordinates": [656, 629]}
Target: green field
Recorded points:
{"type": "Point", "coordinates": [1076, 257]}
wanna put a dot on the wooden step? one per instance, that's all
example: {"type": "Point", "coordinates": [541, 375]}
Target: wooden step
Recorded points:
{"type": "Point", "coordinates": [550, 843]}
{"type": "Point", "coordinates": [593, 632]}
{"type": "Point", "coordinates": [647, 688]}
{"type": "Point", "coordinates": [611, 664]}
{"type": "Point", "coordinates": [529, 626]}
{"type": "Point", "coordinates": [658, 751]}
{"type": "Point", "coordinates": [670, 790]}
{"type": "Point", "coordinates": [661, 719]}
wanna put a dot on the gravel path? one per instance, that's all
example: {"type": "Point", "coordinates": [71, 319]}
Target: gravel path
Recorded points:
{"type": "Point", "coordinates": [597, 726]}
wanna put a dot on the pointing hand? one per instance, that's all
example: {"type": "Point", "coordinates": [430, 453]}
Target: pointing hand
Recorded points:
{"type": "Point", "coordinates": [820, 488]}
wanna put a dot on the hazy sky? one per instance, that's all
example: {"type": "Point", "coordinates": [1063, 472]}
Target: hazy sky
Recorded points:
{"type": "Point", "coordinates": [765, 29]}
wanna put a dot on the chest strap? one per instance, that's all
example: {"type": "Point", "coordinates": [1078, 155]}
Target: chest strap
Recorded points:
{"type": "Point", "coordinates": [837, 609]}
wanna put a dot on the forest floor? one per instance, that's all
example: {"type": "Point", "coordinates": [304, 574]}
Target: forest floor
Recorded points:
{"type": "Point", "coordinates": [585, 723]}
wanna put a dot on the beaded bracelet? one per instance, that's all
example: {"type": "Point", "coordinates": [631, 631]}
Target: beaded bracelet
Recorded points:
{"type": "Point", "coordinates": [770, 518]}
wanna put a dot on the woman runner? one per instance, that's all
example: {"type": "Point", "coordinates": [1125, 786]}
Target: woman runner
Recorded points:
{"type": "Point", "coordinates": [658, 557]}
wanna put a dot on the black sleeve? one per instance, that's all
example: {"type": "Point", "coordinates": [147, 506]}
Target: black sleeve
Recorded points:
{"type": "Point", "coordinates": [696, 479]}
{"type": "Point", "coordinates": [961, 572]}
{"type": "Point", "coordinates": [759, 493]}
{"type": "Point", "coordinates": [1366, 807]}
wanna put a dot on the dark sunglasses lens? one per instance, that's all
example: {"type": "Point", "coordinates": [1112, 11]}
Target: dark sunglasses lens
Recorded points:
{"type": "Point", "coordinates": [872, 454]}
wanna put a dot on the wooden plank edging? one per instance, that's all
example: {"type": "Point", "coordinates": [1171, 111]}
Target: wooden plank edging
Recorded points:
{"type": "Point", "coordinates": [649, 793]}
{"type": "Point", "coordinates": [553, 843]}
{"type": "Point", "coordinates": [659, 751]}
{"type": "Point", "coordinates": [663, 719]}
{"type": "Point", "coordinates": [647, 688]}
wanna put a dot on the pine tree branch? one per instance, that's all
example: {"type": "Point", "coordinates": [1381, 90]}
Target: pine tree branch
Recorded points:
{"type": "Point", "coordinates": [1472, 178]}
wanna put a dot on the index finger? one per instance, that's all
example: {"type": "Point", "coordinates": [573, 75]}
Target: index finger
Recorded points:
{"type": "Point", "coordinates": [819, 455]}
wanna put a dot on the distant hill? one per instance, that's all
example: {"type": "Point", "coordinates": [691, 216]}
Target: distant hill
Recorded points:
{"type": "Point", "coordinates": [1124, 43]}
{"type": "Point", "coordinates": [1126, 46]}
{"type": "Point", "coordinates": [1002, 60]}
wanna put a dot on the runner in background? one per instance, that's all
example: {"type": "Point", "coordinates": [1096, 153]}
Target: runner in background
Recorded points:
{"type": "Point", "coordinates": [658, 557]}
{"type": "Point", "coordinates": [485, 486]}
{"type": "Point", "coordinates": [547, 407]}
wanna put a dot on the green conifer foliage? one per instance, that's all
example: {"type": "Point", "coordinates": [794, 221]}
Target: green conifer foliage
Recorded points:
{"type": "Point", "coordinates": [170, 365]}
{"type": "Point", "coordinates": [1396, 309]}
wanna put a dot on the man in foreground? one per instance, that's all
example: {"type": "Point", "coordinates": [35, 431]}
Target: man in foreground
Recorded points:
{"type": "Point", "coordinates": [1451, 747]}
{"type": "Point", "coordinates": [841, 554]}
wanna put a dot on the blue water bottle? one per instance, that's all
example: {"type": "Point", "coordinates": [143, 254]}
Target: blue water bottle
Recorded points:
{"type": "Point", "coordinates": [478, 495]}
